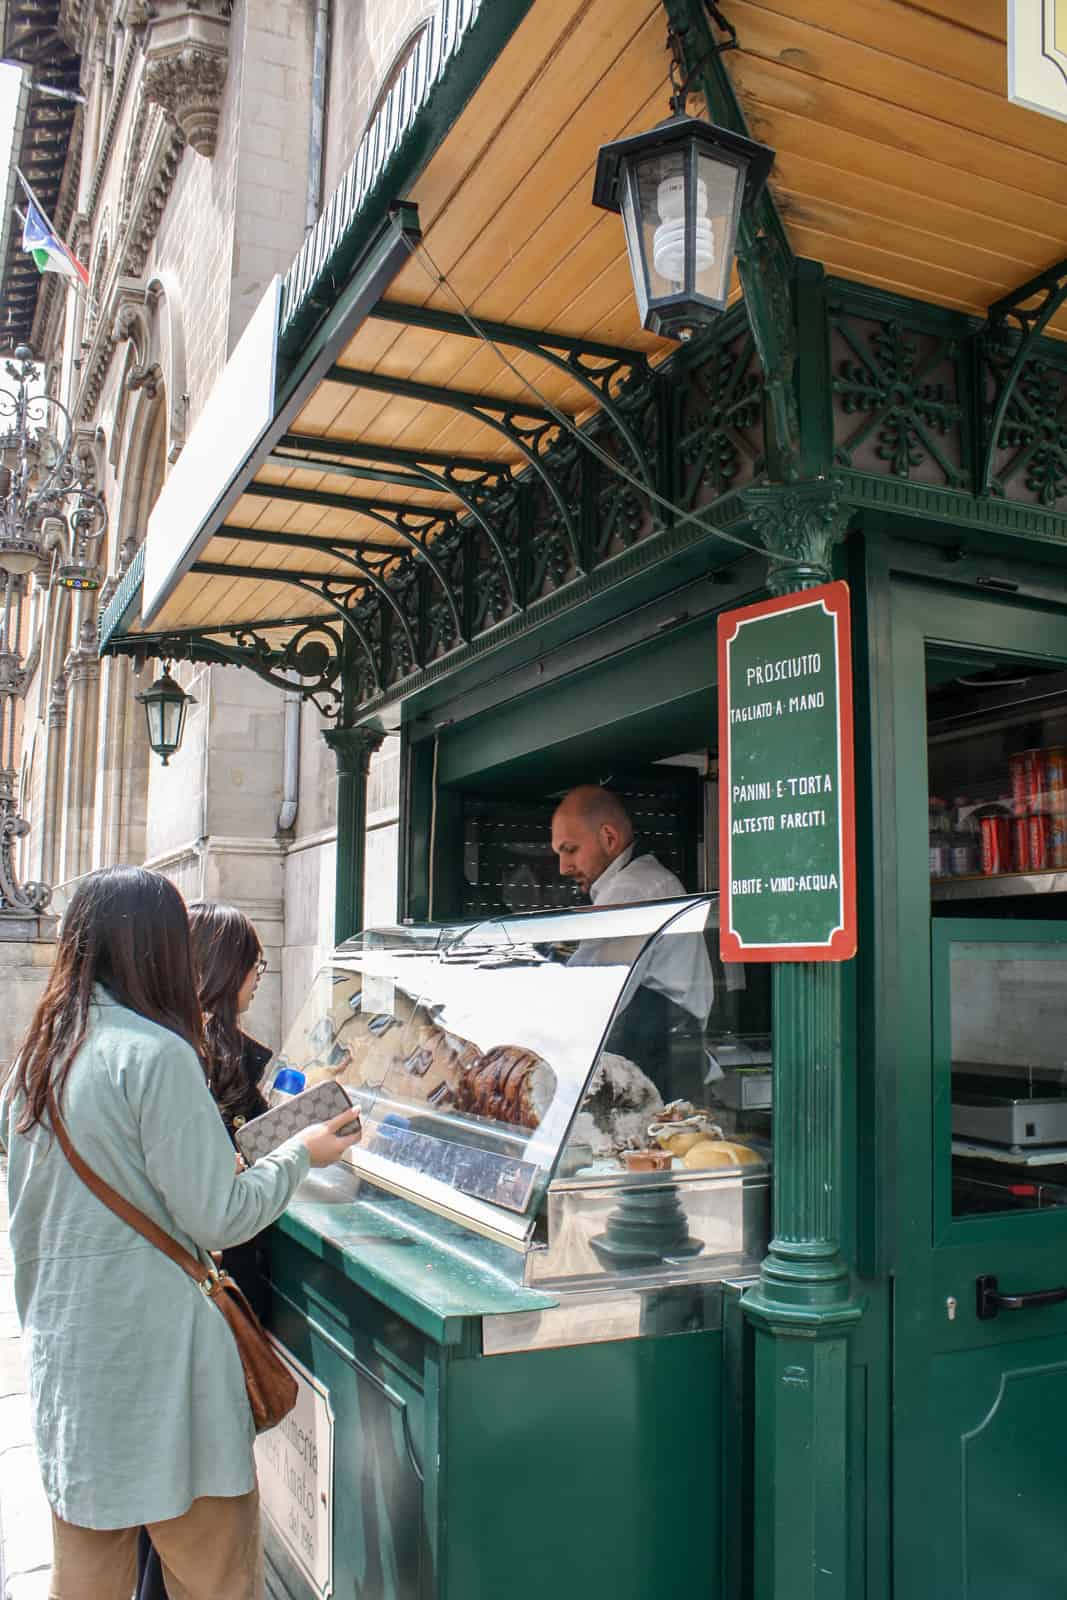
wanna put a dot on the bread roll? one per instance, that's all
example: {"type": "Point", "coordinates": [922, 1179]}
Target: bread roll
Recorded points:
{"type": "Point", "coordinates": [707, 1154]}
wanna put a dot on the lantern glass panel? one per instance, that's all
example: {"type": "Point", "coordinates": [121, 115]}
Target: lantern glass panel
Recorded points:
{"type": "Point", "coordinates": [173, 722]}
{"type": "Point", "coordinates": [719, 188]}
{"type": "Point", "coordinates": [659, 179]}
{"type": "Point", "coordinates": [635, 240]}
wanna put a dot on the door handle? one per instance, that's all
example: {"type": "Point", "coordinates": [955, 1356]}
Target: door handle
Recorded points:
{"type": "Point", "coordinates": [990, 1300]}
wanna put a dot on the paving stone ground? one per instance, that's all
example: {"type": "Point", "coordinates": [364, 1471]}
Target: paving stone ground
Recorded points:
{"type": "Point", "coordinates": [25, 1520]}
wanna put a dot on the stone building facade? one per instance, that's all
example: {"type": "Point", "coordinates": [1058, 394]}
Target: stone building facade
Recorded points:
{"type": "Point", "coordinates": [210, 134]}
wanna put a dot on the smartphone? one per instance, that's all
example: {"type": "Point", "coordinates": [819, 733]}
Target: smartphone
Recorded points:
{"type": "Point", "coordinates": [264, 1133]}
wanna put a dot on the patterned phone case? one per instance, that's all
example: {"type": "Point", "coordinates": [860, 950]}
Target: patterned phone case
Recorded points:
{"type": "Point", "coordinates": [266, 1132]}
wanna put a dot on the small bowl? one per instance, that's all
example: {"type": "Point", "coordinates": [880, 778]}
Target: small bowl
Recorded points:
{"type": "Point", "coordinates": [647, 1160]}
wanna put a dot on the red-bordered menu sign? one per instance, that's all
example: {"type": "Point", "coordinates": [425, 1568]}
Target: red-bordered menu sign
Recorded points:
{"type": "Point", "coordinates": [787, 822]}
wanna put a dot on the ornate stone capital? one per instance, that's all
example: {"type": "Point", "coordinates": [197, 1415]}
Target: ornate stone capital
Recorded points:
{"type": "Point", "coordinates": [187, 50]}
{"type": "Point", "coordinates": [83, 662]}
{"type": "Point", "coordinates": [13, 674]}
{"type": "Point", "coordinates": [798, 525]}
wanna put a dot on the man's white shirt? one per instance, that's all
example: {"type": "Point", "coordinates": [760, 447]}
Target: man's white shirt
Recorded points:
{"type": "Point", "coordinates": [679, 966]}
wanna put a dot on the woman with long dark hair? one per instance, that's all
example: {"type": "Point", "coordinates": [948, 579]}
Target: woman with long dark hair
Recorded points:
{"type": "Point", "coordinates": [227, 964]}
{"type": "Point", "coordinates": [139, 1408]}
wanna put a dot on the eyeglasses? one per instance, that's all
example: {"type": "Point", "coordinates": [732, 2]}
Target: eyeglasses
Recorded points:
{"type": "Point", "coordinates": [261, 966]}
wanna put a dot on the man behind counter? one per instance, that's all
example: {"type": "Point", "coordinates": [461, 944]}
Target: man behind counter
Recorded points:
{"type": "Point", "coordinates": [660, 1028]}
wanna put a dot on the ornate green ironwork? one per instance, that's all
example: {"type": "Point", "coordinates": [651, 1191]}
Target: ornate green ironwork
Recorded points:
{"type": "Point", "coordinates": [720, 436]}
{"type": "Point", "coordinates": [413, 529]}
{"type": "Point", "coordinates": [480, 485]}
{"type": "Point", "coordinates": [1026, 418]}
{"type": "Point", "coordinates": [898, 397]}
{"type": "Point", "coordinates": [611, 375]}
{"type": "Point", "coordinates": [309, 660]}
{"type": "Point", "coordinates": [528, 427]}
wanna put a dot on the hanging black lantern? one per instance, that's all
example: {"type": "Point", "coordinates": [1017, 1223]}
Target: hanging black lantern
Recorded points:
{"type": "Point", "coordinates": [165, 705]}
{"type": "Point", "coordinates": [680, 188]}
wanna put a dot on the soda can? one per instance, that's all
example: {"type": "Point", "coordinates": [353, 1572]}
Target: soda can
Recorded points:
{"type": "Point", "coordinates": [996, 845]}
{"type": "Point", "coordinates": [1038, 781]}
{"type": "Point", "coordinates": [1058, 839]}
{"type": "Point", "coordinates": [1020, 766]}
{"type": "Point", "coordinates": [1020, 840]}
{"type": "Point", "coordinates": [1040, 842]}
{"type": "Point", "coordinates": [1055, 763]}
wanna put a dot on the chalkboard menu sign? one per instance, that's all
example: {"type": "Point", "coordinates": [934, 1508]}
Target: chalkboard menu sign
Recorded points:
{"type": "Point", "coordinates": [787, 836]}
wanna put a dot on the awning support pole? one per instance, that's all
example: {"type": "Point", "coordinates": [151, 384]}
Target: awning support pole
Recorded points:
{"type": "Point", "coordinates": [803, 1309]}
{"type": "Point", "coordinates": [353, 748]}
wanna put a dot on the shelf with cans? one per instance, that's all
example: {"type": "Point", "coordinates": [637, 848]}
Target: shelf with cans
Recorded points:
{"type": "Point", "coordinates": [1013, 824]}
{"type": "Point", "coordinates": [997, 776]}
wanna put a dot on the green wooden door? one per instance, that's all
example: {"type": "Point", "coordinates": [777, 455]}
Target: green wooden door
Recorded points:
{"type": "Point", "coordinates": [979, 1406]}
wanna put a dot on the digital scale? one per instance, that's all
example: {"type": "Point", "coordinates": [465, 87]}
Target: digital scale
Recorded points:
{"type": "Point", "coordinates": [1010, 1109]}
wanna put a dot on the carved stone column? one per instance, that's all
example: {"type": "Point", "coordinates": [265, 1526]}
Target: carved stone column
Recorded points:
{"type": "Point", "coordinates": [187, 50]}
{"type": "Point", "coordinates": [353, 748]}
{"type": "Point", "coordinates": [83, 680]}
{"type": "Point", "coordinates": [51, 822]}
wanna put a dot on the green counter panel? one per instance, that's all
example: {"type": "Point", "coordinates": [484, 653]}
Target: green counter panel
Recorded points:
{"type": "Point", "coordinates": [573, 1473]}
{"type": "Point", "coordinates": [585, 1472]}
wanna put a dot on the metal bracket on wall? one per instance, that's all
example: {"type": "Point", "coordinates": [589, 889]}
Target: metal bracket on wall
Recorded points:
{"type": "Point", "coordinates": [1048, 291]}
{"type": "Point", "coordinates": [311, 654]}
{"type": "Point", "coordinates": [338, 593]}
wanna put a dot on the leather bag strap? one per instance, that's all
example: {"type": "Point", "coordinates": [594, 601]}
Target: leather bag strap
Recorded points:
{"type": "Point", "coordinates": [124, 1208]}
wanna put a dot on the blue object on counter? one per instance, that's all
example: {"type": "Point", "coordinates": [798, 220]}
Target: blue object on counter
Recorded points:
{"type": "Point", "coordinates": [393, 1123]}
{"type": "Point", "coordinates": [288, 1081]}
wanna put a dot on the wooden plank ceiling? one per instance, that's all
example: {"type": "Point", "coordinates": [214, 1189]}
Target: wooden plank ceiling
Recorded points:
{"type": "Point", "coordinates": [900, 164]}
{"type": "Point", "coordinates": [506, 214]}
{"type": "Point", "coordinates": [900, 160]}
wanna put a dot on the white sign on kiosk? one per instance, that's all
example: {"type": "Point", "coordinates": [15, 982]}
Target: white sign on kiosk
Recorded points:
{"type": "Point", "coordinates": [197, 494]}
{"type": "Point", "coordinates": [1037, 56]}
{"type": "Point", "coordinates": [295, 1466]}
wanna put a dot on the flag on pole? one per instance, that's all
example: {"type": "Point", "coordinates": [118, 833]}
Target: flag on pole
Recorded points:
{"type": "Point", "coordinates": [43, 243]}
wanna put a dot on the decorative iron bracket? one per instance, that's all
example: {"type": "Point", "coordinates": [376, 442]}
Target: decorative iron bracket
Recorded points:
{"type": "Point", "coordinates": [529, 428]}
{"type": "Point", "coordinates": [339, 594]}
{"type": "Point", "coordinates": [479, 485]}
{"type": "Point", "coordinates": [1049, 290]}
{"type": "Point", "coordinates": [606, 372]}
{"type": "Point", "coordinates": [312, 655]}
{"type": "Point", "coordinates": [411, 523]}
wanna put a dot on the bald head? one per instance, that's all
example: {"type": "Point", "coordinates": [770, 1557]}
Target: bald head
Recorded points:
{"type": "Point", "coordinates": [590, 827]}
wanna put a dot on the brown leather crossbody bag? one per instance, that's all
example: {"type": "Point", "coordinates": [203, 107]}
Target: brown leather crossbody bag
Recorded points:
{"type": "Point", "coordinates": [271, 1387]}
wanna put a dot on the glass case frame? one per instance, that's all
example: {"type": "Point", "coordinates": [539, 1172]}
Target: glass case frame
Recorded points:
{"type": "Point", "coordinates": [562, 1199]}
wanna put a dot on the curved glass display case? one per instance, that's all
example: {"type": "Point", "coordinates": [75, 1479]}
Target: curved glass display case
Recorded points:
{"type": "Point", "coordinates": [589, 1087]}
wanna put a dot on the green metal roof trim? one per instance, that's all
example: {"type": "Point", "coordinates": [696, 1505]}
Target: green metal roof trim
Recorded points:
{"type": "Point", "coordinates": [117, 612]}
{"type": "Point", "coordinates": [447, 64]}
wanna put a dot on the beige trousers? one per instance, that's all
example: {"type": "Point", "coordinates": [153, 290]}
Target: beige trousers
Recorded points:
{"type": "Point", "coordinates": [212, 1552]}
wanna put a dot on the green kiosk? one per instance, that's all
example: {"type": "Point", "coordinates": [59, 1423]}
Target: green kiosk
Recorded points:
{"type": "Point", "coordinates": [773, 1303]}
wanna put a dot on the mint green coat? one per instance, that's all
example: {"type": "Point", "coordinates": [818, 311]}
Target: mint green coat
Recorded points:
{"type": "Point", "coordinates": [137, 1392]}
